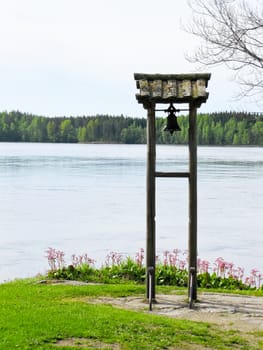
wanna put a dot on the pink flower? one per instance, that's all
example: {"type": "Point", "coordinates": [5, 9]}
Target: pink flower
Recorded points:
{"type": "Point", "coordinates": [55, 258]}
{"type": "Point", "coordinates": [140, 257]}
{"type": "Point", "coordinates": [113, 258]}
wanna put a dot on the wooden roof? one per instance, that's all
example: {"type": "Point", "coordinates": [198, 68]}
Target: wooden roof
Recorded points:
{"type": "Point", "coordinates": [172, 88]}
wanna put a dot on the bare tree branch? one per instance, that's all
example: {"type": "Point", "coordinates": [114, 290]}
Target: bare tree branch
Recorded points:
{"type": "Point", "coordinates": [232, 34]}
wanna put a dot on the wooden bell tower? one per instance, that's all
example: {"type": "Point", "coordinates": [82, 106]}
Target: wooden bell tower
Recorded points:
{"type": "Point", "coordinates": [171, 89]}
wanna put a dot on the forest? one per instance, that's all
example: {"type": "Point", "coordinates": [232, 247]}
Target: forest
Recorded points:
{"type": "Point", "coordinates": [222, 128]}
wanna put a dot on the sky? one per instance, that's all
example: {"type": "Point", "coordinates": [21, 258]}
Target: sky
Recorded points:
{"type": "Point", "coordinates": [78, 57]}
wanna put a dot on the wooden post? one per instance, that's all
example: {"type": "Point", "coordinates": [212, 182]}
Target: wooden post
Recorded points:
{"type": "Point", "coordinates": [192, 239]}
{"type": "Point", "coordinates": [150, 189]}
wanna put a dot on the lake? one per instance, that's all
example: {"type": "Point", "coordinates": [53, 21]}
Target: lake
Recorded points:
{"type": "Point", "coordinates": [90, 198]}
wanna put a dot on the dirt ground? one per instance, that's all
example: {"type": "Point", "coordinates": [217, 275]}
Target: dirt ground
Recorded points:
{"type": "Point", "coordinates": [229, 311]}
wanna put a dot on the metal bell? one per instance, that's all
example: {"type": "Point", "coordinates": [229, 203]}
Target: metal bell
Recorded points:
{"type": "Point", "coordinates": [172, 124]}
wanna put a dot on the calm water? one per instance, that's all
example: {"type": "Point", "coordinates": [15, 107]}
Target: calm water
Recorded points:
{"type": "Point", "coordinates": [91, 199]}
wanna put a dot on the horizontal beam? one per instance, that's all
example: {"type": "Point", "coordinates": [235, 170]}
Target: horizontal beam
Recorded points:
{"type": "Point", "coordinates": [173, 99]}
{"type": "Point", "coordinates": [191, 76]}
{"type": "Point", "coordinates": [164, 174]}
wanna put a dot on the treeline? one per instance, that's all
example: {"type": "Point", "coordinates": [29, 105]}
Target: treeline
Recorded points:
{"type": "Point", "coordinates": [224, 128]}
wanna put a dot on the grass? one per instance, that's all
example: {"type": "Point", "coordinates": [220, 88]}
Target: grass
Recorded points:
{"type": "Point", "coordinates": [44, 316]}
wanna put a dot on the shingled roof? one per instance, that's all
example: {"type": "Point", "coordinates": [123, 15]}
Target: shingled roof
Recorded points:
{"type": "Point", "coordinates": [172, 88]}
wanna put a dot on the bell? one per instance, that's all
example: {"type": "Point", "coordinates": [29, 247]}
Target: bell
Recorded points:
{"type": "Point", "coordinates": [172, 124]}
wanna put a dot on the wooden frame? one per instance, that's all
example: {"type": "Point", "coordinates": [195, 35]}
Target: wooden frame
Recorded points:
{"type": "Point", "coordinates": [171, 88]}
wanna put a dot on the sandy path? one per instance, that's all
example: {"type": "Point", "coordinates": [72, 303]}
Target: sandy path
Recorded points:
{"type": "Point", "coordinates": [229, 311]}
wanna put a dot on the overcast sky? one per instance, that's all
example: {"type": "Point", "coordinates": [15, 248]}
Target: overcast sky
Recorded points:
{"type": "Point", "coordinates": [77, 57]}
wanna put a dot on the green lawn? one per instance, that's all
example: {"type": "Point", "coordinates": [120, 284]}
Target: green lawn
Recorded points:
{"type": "Point", "coordinates": [44, 316]}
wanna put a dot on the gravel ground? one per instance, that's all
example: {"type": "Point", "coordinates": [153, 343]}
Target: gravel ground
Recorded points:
{"type": "Point", "coordinates": [229, 311]}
